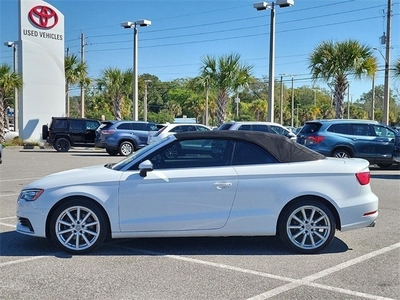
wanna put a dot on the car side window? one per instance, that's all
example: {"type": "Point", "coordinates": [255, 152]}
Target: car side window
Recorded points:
{"type": "Point", "coordinates": [91, 125]}
{"type": "Point", "coordinates": [246, 153]}
{"type": "Point", "coordinates": [262, 128]}
{"type": "Point", "coordinates": [60, 124]}
{"type": "Point", "coordinates": [77, 124]}
{"type": "Point", "coordinates": [382, 131]}
{"type": "Point", "coordinates": [126, 126]}
{"type": "Point", "coordinates": [278, 130]}
{"type": "Point", "coordinates": [339, 128]}
{"type": "Point", "coordinates": [139, 126]}
{"type": "Point", "coordinates": [245, 127]}
{"type": "Point", "coordinates": [201, 128]}
{"type": "Point", "coordinates": [197, 153]}
{"type": "Point", "coordinates": [361, 129]}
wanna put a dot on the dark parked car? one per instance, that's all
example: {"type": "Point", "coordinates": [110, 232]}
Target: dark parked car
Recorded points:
{"type": "Point", "coordinates": [350, 138]}
{"type": "Point", "coordinates": [65, 132]}
{"type": "Point", "coordinates": [123, 137]}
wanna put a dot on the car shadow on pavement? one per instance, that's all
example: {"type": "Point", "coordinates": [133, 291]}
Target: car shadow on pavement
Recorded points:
{"type": "Point", "coordinates": [15, 244]}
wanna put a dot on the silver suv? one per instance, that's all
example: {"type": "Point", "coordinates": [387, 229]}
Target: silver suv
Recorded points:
{"type": "Point", "coordinates": [269, 127]}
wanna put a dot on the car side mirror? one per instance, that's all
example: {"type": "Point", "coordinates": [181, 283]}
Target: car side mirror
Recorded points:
{"type": "Point", "coordinates": [144, 167]}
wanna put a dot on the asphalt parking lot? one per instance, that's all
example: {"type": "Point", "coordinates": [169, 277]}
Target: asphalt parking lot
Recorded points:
{"type": "Point", "coordinates": [360, 264]}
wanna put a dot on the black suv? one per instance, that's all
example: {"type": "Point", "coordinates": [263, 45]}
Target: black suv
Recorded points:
{"type": "Point", "coordinates": [123, 137]}
{"type": "Point", "coordinates": [65, 132]}
{"type": "Point", "coordinates": [352, 138]}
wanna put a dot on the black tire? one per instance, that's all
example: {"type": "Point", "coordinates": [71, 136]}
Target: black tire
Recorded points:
{"type": "Point", "coordinates": [341, 153]}
{"type": "Point", "coordinates": [45, 132]}
{"type": "Point", "coordinates": [298, 231]}
{"type": "Point", "coordinates": [384, 166]}
{"type": "Point", "coordinates": [126, 148]}
{"type": "Point", "coordinates": [112, 152]}
{"type": "Point", "coordinates": [84, 233]}
{"type": "Point", "coordinates": [62, 144]}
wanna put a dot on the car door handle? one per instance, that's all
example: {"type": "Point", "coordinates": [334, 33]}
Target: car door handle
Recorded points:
{"type": "Point", "coordinates": [222, 185]}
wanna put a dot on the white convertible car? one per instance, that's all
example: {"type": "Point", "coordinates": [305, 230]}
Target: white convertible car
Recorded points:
{"type": "Point", "coordinates": [212, 183]}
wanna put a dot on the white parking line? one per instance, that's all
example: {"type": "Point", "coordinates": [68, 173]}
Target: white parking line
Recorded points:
{"type": "Point", "coordinates": [308, 280]}
{"type": "Point", "coordinates": [29, 178]}
{"type": "Point", "coordinates": [6, 224]}
{"type": "Point", "coordinates": [293, 283]}
{"type": "Point", "coordinates": [7, 195]}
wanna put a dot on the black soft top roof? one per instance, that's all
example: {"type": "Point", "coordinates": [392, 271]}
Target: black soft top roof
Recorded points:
{"type": "Point", "coordinates": [282, 148]}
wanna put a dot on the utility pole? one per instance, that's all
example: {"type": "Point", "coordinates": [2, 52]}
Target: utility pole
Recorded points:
{"type": "Point", "coordinates": [81, 83]}
{"type": "Point", "coordinates": [386, 95]}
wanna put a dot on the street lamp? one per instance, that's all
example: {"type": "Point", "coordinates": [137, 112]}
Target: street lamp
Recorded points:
{"type": "Point", "coordinates": [145, 100]}
{"type": "Point", "coordinates": [16, 109]}
{"type": "Point", "coordinates": [281, 100]}
{"type": "Point", "coordinates": [141, 23]}
{"type": "Point", "coordinates": [264, 6]}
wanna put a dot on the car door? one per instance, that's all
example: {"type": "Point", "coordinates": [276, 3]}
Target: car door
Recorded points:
{"type": "Point", "coordinates": [89, 135]}
{"type": "Point", "coordinates": [187, 191]}
{"type": "Point", "coordinates": [383, 139]}
{"type": "Point", "coordinates": [77, 130]}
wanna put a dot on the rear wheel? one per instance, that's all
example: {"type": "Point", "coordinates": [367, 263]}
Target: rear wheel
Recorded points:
{"type": "Point", "coordinates": [62, 144]}
{"type": "Point", "coordinates": [78, 226]}
{"type": "Point", "coordinates": [112, 152]}
{"type": "Point", "coordinates": [341, 153]}
{"type": "Point", "coordinates": [307, 226]}
{"type": "Point", "coordinates": [126, 148]}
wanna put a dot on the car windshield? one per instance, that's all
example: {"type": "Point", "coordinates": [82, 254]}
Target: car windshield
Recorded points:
{"type": "Point", "coordinates": [120, 165]}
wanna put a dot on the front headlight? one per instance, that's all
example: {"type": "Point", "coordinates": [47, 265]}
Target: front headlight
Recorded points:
{"type": "Point", "coordinates": [30, 195]}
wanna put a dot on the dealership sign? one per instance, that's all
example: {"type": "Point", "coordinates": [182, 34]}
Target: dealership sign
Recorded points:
{"type": "Point", "coordinates": [41, 66]}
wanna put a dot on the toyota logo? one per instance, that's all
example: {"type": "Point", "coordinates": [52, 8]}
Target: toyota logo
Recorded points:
{"type": "Point", "coordinates": [43, 17]}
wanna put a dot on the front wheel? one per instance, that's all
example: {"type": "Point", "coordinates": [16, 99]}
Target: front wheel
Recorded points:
{"type": "Point", "coordinates": [126, 148]}
{"type": "Point", "coordinates": [62, 145]}
{"type": "Point", "coordinates": [78, 226]}
{"type": "Point", "coordinates": [307, 227]}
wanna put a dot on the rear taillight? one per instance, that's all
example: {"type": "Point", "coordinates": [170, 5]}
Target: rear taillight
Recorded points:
{"type": "Point", "coordinates": [314, 139]}
{"type": "Point", "coordinates": [108, 131]}
{"type": "Point", "coordinates": [363, 177]}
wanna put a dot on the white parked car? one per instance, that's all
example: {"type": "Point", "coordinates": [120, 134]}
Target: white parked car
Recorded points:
{"type": "Point", "coordinates": [174, 128]}
{"type": "Point", "coordinates": [10, 135]}
{"type": "Point", "coordinates": [269, 127]}
{"type": "Point", "coordinates": [209, 183]}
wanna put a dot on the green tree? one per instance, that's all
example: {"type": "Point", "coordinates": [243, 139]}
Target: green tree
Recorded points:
{"type": "Point", "coordinates": [8, 82]}
{"type": "Point", "coordinates": [75, 72]}
{"type": "Point", "coordinates": [336, 61]}
{"type": "Point", "coordinates": [116, 85]}
{"type": "Point", "coordinates": [227, 75]}
{"type": "Point", "coordinates": [396, 72]}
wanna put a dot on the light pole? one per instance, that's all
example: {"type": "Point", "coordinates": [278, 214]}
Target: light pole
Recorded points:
{"type": "Point", "coordinates": [16, 106]}
{"type": "Point", "coordinates": [141, 23]}
{"type": "Point", "coordinates": [292, 113]}
{"type": "Point", "coordinates": [264, 6]}
{"type": "Point", "coordinates": [281, 100]}
{"type": "Point", "coordinates": [297, 114]}
{"type": "Point", "coordinates": [145, 100]}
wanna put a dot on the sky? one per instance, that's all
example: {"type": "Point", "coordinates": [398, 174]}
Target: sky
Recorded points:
{"type": "Point", "coordinates": [183, 32]}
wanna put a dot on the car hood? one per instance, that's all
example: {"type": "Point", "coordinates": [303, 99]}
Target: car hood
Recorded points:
{"type": "Point", "coordinates": [82, 176]}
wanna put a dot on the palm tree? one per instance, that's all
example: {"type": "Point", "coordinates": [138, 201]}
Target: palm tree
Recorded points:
{"type": "Point", "coordinates": [75, 72]}
{"type": "Point", "coordinates": [336, 61]}
{"type": "Point", "coordinates": [225, 74]}
{"type": "Point", "coordinates": [397, 69]}
{"type": "Point", "coordinates": [8, 82]}
{"type": "Point", "coordinates": [117, 85]}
